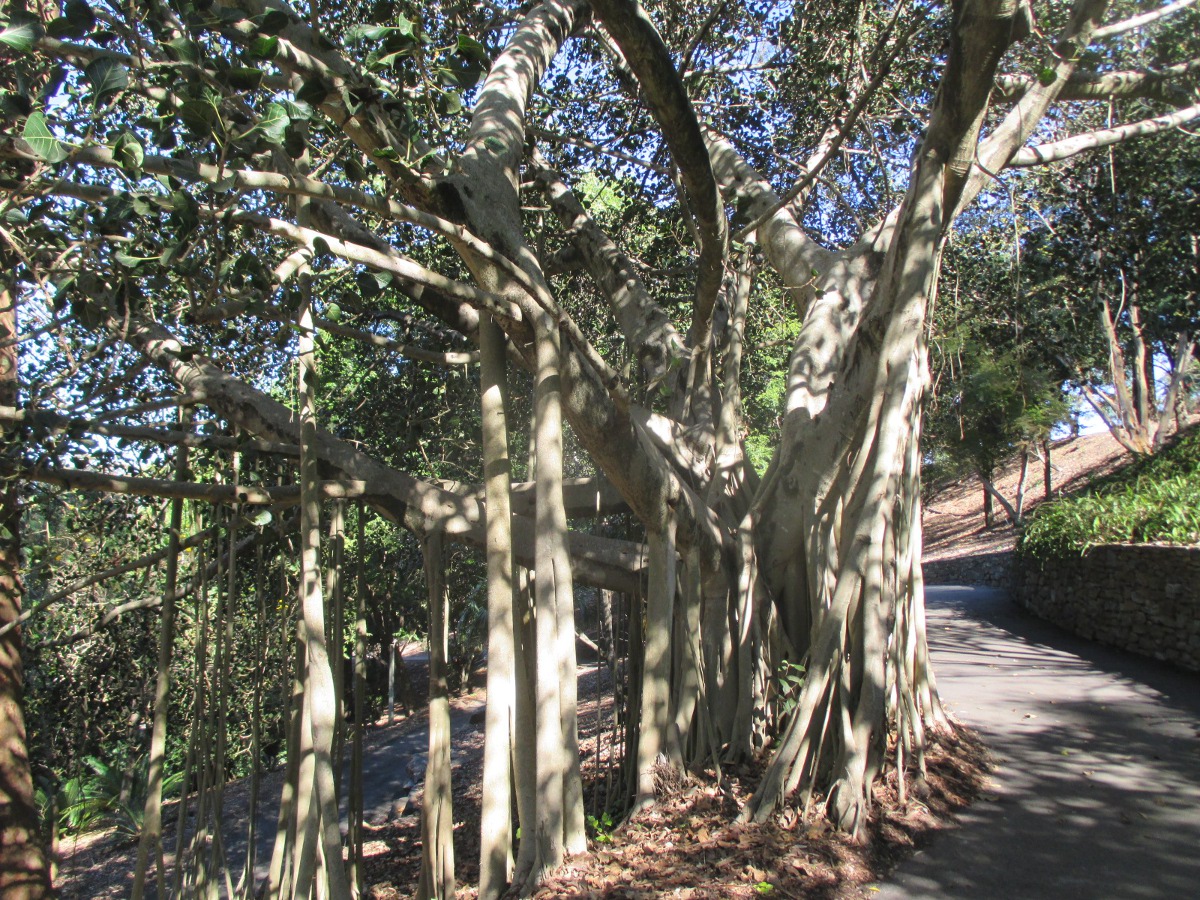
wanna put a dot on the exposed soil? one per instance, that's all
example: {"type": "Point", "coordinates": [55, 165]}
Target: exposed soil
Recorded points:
{"type": "Point", "coordinates": [960, 550]}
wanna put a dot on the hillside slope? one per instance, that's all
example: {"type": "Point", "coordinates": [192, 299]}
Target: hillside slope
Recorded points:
{"type": "Point", "coordinates": [959, 550]}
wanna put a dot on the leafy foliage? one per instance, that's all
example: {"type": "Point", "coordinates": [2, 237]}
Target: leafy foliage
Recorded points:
{"type": "Point", "coordinates": [106, 795]}
{"type": "Point", "coordinates": [1156, 499]}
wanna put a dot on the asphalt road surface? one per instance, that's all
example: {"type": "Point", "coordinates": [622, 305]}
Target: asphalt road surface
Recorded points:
{"type": "Point", "coordinates": [1097, 790]}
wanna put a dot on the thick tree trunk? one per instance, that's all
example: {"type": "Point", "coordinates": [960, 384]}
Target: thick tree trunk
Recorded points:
{"type": "Point", "coordinates": [657, 743]}
{"type": "Point", "coordinates": [845, 463]}
{"type": "Point", "coordinates": [24, 865]}
{"type": "Point", "coordinates": [551, 514]}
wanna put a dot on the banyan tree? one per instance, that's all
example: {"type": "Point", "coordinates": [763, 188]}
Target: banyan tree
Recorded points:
{"type": "Point", "coordinates": [197, 194]}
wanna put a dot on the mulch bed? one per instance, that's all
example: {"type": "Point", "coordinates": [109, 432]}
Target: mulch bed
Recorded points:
{"type": "Point", "coordinates": [689, 846]}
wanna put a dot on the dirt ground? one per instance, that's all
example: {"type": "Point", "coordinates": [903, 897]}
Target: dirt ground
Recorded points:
{"type": "Point", "coordinates": [960, 550]}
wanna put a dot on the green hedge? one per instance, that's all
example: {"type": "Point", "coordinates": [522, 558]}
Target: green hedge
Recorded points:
{"type": "Point", "coordinates": [1152, 500]}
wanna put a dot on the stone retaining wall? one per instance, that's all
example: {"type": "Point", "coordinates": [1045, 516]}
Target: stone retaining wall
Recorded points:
{"type": "Point", "coordinates": [990, 569]}
{"type": "Point", "coordinates": [1143, 598]}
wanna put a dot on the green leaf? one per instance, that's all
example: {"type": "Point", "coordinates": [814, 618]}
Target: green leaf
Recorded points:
{"type": "Point", "coordinates": [80, 16]}
{"type": "Point", "coordinates": [333, 312]}
{"type": "Point", "coordinates": [20, 33]}
{"type": "Point", "coordinates": [274, 21]}
{"type": "Point", "coordinates": [107, 77]}
{"type": "Point", "coordinates": [129, 153]}
{"type": "Point", "coordinates": [245, 78]}
{"type": "Point", "coordinates": [471, 49]}
{"type": "Point", "coordinates": [313, 91]}
{"type": "Point", "coordinates": [129, 260]}
{"type": "Point", "coordinates": [44, 144]}
{"type": "Point", "coordinates": [405, 27]}
{"type": "Point", "coordinates": [77, 20]}
{"type": "Point", "coordinates": [294, 144]}
{"type": "Point", "coordinates": [183, 50]}
{"type": "Point", "coordinates": [274, 123]}
{"type": "Point", "coordinates": [200, 116]}
{"type": "Point", "coordinates": [301, 111]}
{"type": "Point", "coordinates": [142, 206]}
{"type": "Point", "coordinates": [371, 283]}
{"type": "Point", "coordinates": [1047, 76]}
{"type": "Point", "coordinates": [367, 32]}
{"type": "Point", "coordinates": [265, 47]}
{"type": "Point", "coordinates": [354, 170]}
{"type": "Point", "coordinates": [262, 518]}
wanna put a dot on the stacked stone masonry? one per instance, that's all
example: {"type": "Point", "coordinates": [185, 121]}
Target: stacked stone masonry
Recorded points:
{"type": "Point", "coordinates": [1142, 598]}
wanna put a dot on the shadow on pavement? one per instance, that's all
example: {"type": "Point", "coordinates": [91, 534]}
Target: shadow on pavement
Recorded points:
{"type": "Point", "coordinates": [1097, 787]}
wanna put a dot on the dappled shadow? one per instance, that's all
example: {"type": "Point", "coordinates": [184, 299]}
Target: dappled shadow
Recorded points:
{"type": "Point", "coordinates": [1097, 789]}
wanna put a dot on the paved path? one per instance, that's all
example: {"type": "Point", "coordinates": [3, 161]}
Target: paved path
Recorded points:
{"type": "Point", "coordinates": [1097, 790]}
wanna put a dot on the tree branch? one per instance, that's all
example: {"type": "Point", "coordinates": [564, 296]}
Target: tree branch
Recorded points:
{"type": "Point", "coordinates": [1118, 28]}
{"type": "Point", "coordinates": [1160, 84]}
{"type": "Point", "coordinates": [1055, 151]}
{"type": "Point", "coordinates": [228, 494]}
{"type": "Point", "coordinates": [665, 94]}
{"type": "Point", "coordinates": [993, 153]}
{"type": "Point", "coordinates": [647, 329]}
{"type": "Point", "coordinates": [142, 562]}
{"type": "Point", "coordinates": [57, 423]}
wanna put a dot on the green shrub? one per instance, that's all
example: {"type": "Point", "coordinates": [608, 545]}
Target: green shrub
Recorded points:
{"type": "Point", "coordinates": [104, 796]}
{"type": "Point", "coordinates": [1153, 500]}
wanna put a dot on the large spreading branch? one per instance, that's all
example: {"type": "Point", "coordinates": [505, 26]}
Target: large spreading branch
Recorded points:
{"type": "Point", "coordinates": [418, 505]}
{"type": "Point", "coordinates": [664, 92]}
{"type": "Point", "coordinates": [993, 153]}
{"type": "Point", "coordinates": [1169, 84]}
{"type": "Point", "coordinates": [1139, 21]}
{"type": "Point", "coordinates": [140, 486]}
{"type": "Point", "coordinates": [1055, 151]}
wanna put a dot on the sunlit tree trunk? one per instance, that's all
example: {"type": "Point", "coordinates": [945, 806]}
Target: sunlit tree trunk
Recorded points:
{"type": "Point", "coordinates": [495, 855]}
{"type": "Point", "coordinates": [437, 807]}
{"type": "Point", "coordinates": [320, 824]}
